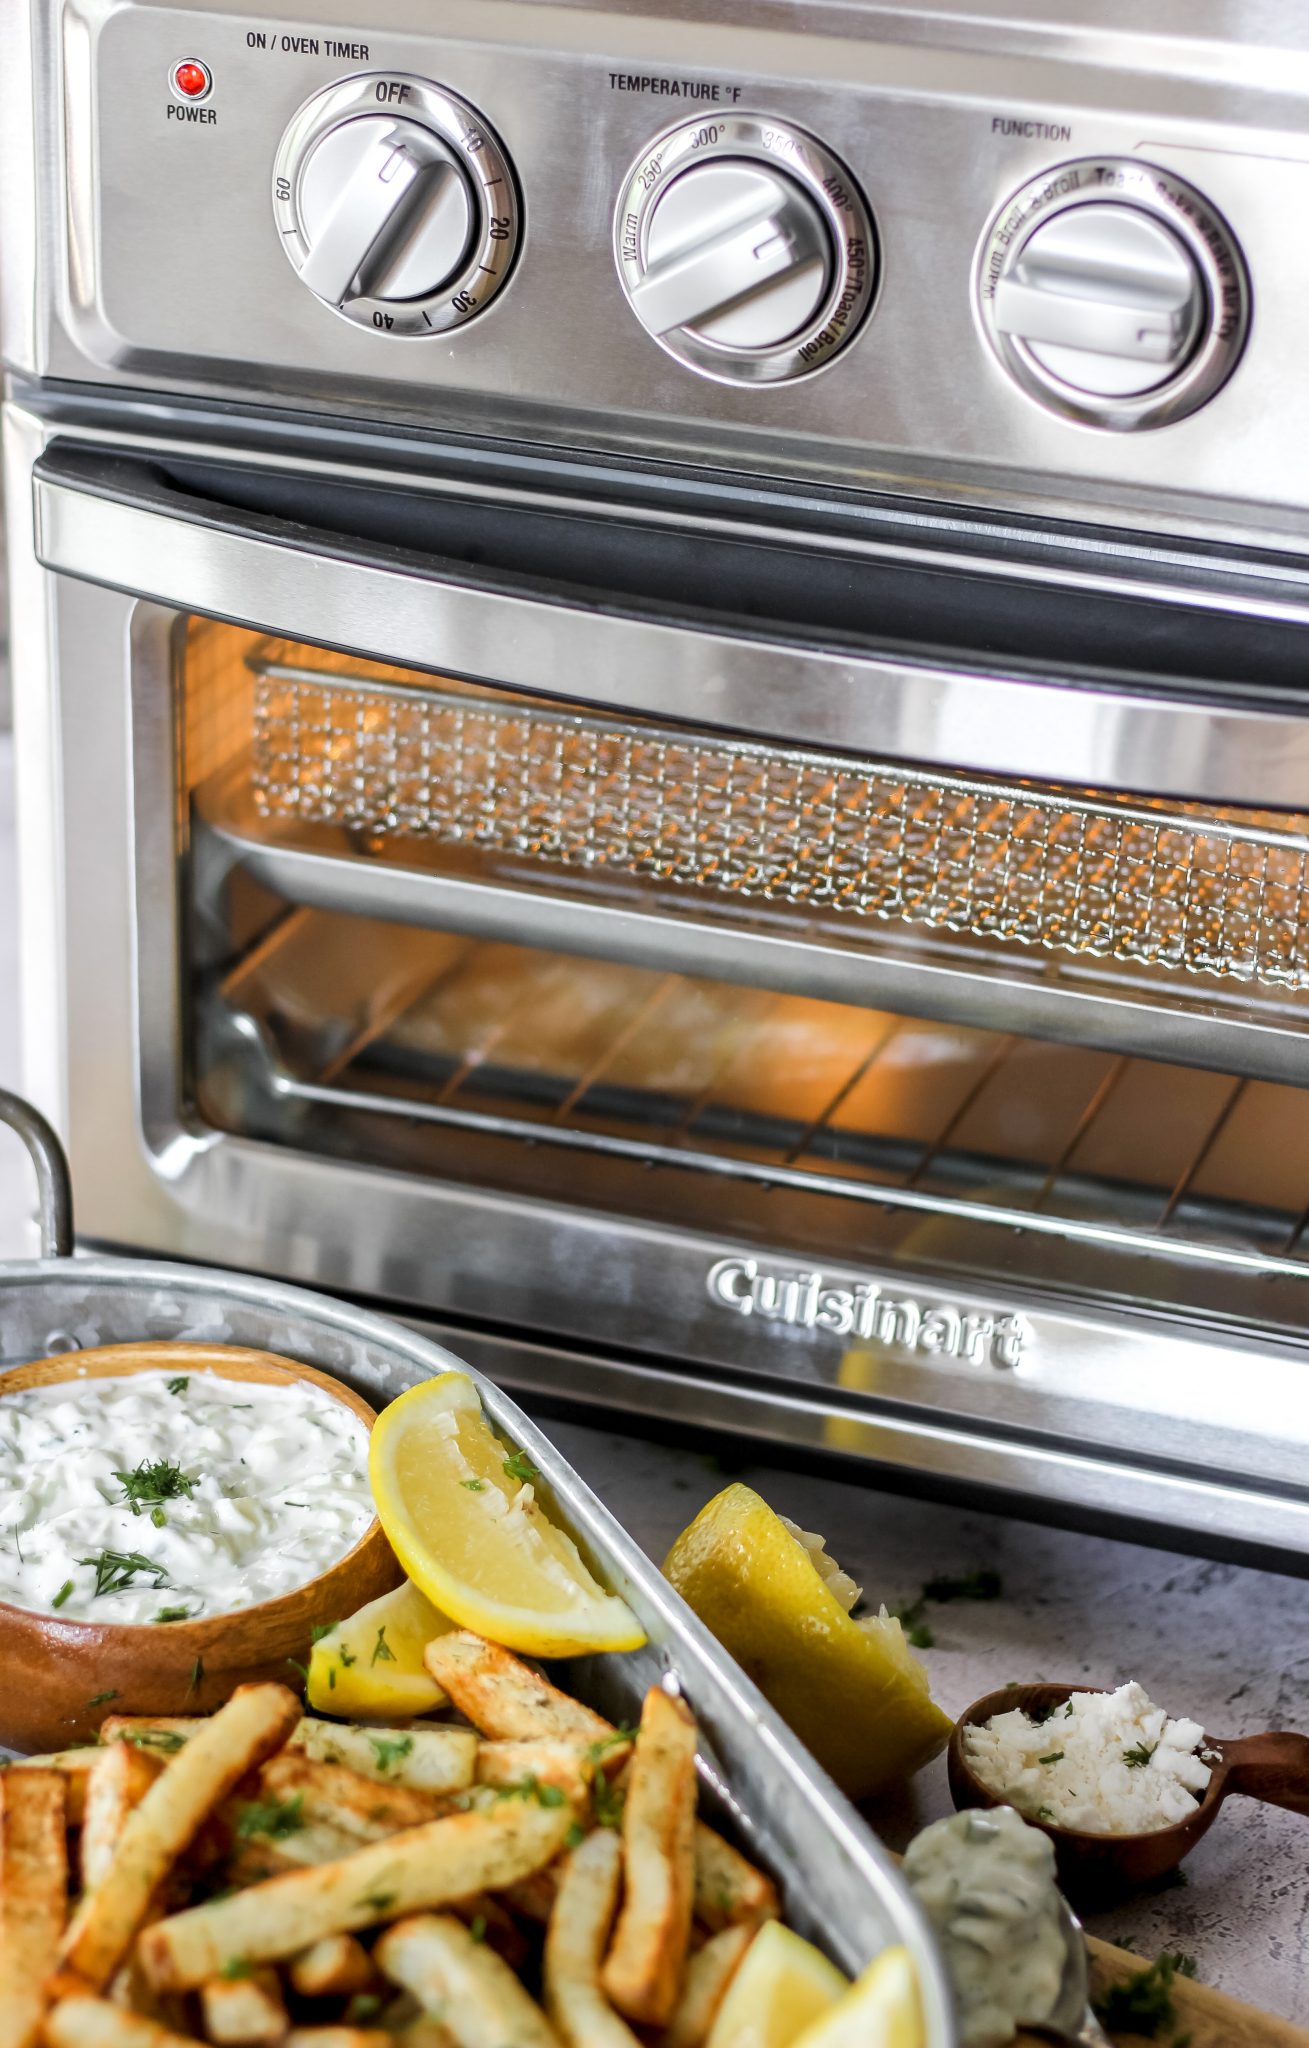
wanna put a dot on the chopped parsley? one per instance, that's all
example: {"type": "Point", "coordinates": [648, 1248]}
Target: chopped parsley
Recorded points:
{"type": "Point", "coordinates": [477, 1927]}
{"type": "Point", "coordinates": [624, 1732]}
{"type": "Point", "coordinates": [100, 1699]}
{"type": "Point", "coordinates": [389, 1749]}
{"type": "Point", "coordinates": [272, 1818]}
{"type": "Point", "coordinates": [321, 1629]}
{"type": "Point", "coordinates": [179, 1385]}
{"type": "Point", "coordinates": [166, 1740]}
{"type": "Point", "coordinates": [1139, 1755]}
{"type": "Point", "coordinates": [152, 1484]}
{"type": "Point", "coordinates": [608, 1802]}
{"type": "Point", "coordinates": [1056, 1756]}
{"type": "Point", "coordinates": [531, 1787]}
{"type": "Point", "coordinates": [347, 1657]}
{"type": "Point", "coordinates": [382, 1649]}
{"type": "Point", "coordinates": [473, 1485]}
{"type": "Point", "coordinates": [235, 1966]}
{"type": "Point", "coordinates": [378, 1902]}
{"type": "Point", "coordinates": [115, 1570]}
{"type": "Point", "coordinates": [365, 2005]}
{"type": "Point", "coordinates": [197, 1676]}
{"type": "Point", "coordinates": [1038, 1716]}
{"type": "Point", "coordinates": [1143, 2003]}
{"type": "Point", "coordinates": [173, 1614]}
{"type": "Point", "coordinates": [301, 1668]}
{"type": "Point", "coordinates": [520, 1466]}
{"type": "Point", "coordinates": [62, 1594]}
{"type": "Point", "coordinates": [576, 1836]}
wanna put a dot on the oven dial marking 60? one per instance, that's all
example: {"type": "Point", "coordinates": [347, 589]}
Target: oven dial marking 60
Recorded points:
{"type": "Point", "coordinates": [745, 248]}
{"type": "Point", "coordinates": [396, 204]}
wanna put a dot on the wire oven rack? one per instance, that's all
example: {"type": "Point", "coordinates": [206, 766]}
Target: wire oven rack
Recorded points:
{"type": "Point", "coordinates": [1153, 884]}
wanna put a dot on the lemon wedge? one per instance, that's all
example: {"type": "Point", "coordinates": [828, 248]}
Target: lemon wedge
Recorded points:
{"type": "Point", "coordinates": [460, 1511]}
{"type": "Point", "coordinates": [880, 2010]}
{"type": "Point", "coordinates": [852, 1690]}
{"type": "Point", "coordinates": [372, 1665]}
{"type": "Point", "coordinates": [781, 1988]}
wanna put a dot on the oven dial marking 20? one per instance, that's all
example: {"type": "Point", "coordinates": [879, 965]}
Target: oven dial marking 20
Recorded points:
{"type": "Point", "coordinates": [745, 248]}
{"type": "Point", "coordinates": [396, 204]}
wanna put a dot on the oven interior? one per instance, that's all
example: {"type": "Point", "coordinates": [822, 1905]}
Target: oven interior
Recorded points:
{"type": "Point", "coordinates": [823, 1003]}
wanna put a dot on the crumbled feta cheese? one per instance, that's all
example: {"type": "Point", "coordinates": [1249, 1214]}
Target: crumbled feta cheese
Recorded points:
{"type": "Point", "coordinates": [1107, 1763]}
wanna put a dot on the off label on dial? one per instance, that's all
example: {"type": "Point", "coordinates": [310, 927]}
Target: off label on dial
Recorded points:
{"type": "Point", "coordinates": [397, 204]}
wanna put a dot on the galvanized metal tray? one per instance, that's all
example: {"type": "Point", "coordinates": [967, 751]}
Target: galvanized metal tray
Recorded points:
{"type": "Point", "coordinates": [839, 1887]}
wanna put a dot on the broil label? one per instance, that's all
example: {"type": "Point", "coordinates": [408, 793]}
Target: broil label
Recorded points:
{"type": "Point", "coordinates": [808, 1301]}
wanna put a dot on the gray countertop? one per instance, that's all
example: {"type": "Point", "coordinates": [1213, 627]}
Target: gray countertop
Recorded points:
{"type": "Point", "coordinates": [1226, 1645]}
{"type": "Point", "coordinates": [1222, 1643]}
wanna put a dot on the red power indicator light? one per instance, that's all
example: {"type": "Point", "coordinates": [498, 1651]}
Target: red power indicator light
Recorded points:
{"type": "Point", "coordinates": [191, 79]}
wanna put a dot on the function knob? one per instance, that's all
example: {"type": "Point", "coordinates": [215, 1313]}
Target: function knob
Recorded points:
{"type": "Point", "coordinates": [1114, 293]}
{"type": "Point", "coordinates": [396, 204]}
{"type": "Point", "coordinates": [745, 249]}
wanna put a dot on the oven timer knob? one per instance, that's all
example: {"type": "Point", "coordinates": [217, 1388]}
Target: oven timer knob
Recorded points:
{"type": "Point", "coordinates": [1114, 293]}
{"type": "Point", "coordinates": [396, 204]}
{"type": "Point", "coordinates": [745, 248]}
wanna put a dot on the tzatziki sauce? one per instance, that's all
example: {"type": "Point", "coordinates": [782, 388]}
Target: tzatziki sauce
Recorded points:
{"type": "Point", "coordinates": [986, 1881]}
{"type": "Point", "coordinates": [159, 1497]}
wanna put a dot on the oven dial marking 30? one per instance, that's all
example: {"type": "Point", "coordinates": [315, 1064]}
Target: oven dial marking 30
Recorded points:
{"type": "Point", "coordinates": [396, 204]}
{"type": "Point", "coordinates": [745, 248]}
{"type": "Point", "coordinates": [1114, 293]}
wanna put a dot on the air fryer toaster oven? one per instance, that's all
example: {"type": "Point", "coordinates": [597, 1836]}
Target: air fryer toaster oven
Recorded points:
{"type": "Point", "coordinates": [762, 883]}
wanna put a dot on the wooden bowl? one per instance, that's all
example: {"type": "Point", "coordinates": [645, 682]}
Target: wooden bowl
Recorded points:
{"type": "Point", "coordinates": [61, 1678]}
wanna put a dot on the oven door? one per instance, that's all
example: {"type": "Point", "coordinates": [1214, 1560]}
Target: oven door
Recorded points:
{"type": "Point", "coordinates": [824, 971]}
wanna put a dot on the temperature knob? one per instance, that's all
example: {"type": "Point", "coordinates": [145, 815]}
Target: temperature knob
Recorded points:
{"type": "Point", "coordinates": [1114, 293]}
{"type": "Point", "coordinates": [745, 249]}
{"type": "Point", "coordinates": [396, 204]}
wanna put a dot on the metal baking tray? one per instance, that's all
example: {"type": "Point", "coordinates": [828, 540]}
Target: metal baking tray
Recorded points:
{"type": "Point", "coordinates": [839, 1886]}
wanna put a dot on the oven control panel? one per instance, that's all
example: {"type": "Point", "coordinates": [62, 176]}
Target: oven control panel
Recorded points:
{"type": "Point", "coordinates": [838, 247]}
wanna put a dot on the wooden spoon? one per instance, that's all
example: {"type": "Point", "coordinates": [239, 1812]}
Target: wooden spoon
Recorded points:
{"type": "Point", "coordinates": [1272, 1767]}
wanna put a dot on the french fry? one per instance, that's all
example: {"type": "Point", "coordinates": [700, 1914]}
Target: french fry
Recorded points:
{"type": "Point", "coordinates": [568, 1765]}
{"type": "Point", "coordinates": [121, 1778]}
{"type": "Point", "coordinates": [705, 1984]}
{"type": "Point", "coordinates": [252, 1726]}
{"type": "Point", "coordinates": [642, 1974]}
{"type": "Point", "coordinates": [423, 2033]}
{"type": "Point", "coordinates": [429, 1866]}
{"type": "Point", "coordinates": [504, 1698]}
{"type": "Point", "coordinates": [335, 1966]}
{"type": "Point", "coordinates": [312, 1844]}
{"type": "Point", "coordinates": [33, 1897]}
{"type": "Point", "coordinates": [163, 1732]}
{"type": "Point", "coordinates": [344, 1799]}
{"type": "Point", "coordinates": [426, 1759]}
{"type": "Point", "coordinates": [575, 1944]}
{"type": "Point", "coordinates": [478, 1995]}
{"type": "Point", "coordinates": [729, 1891]}
{"type": "Point", "coordinates": [339, 2037]}
{"type": "Point", "coordinates": [244, 2010]}
{"type": "Point", "coordinates": [85, 2022]}
{"type": "Point", "coordinates": [73, 1766]}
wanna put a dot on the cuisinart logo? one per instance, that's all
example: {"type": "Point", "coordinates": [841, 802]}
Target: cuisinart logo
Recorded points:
{"type": "Point", "coordinates": [865, 1310]}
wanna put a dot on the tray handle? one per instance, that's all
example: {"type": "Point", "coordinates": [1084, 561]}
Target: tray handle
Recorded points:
{"type": "Point", "coordinates": [54, 1183]}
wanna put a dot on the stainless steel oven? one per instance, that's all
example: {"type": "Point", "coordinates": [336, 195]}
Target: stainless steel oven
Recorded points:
{"type": "Point", "coordinates": [660, 671]}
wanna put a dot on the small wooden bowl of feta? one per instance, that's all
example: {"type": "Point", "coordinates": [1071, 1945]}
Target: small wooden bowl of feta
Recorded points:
{"type": "Point", "coordinates": [1123, 1791]}
{"type": "Point", "coordinates": [175, 1519]}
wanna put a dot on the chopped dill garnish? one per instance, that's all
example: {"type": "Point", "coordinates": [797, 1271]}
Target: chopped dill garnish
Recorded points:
{"type": "Point", "coordinates": [473, 1485]}
{"type": "Point", "coordinates": [576, 1836]}
{"type": "Point", "coordinates": [382, 1649]}
{"type": "Point", "coordinates": [197, 1676]}
{"type": "Point", "coordinates": [166, 1740]}
{"type": "Point", "coordinates": [173, 1614]}
{"type": "Point", "coordinates": [272, 1818]}
{"type": "Point", "coordinates": [985, 1584]}
{"type": "Point", "coordinates": [624, 1732]}
{"type": "Point", "coordinates": [1139, 1755]}
{"type": "Point", "coordinates": [115, 1570]}
{"type": "Point", "coordinates": [389, 1749]}
{"type": "Point", "coordinates": [62, 1594]}
{"type": "Point", "coordinates": [1056, 1756]}
{"type": "Point", "coordinates": [1143, 2003]}
{"type": "Point", "coordinates": [608, 1802]}
{"type": "Point", "coordinates": [520, 1466]}
{"type": "Point", "coordinates": [101, 1699]}
{"type": "Point", "coordinates": [235, 1966]}
{"type": "Point", "coordinates": [321, 1629]}
{"type": "Point", "coordinates": [378, 1902]}
{"type": "Point", "coordinates": [346, 1657]}
{"type": "Point", "coordinates": [179, 1385]}
{"type": "Point", "coordinates": [530, 1787]}
{"type": "Point", "coordinates": [303, 1669]}
{"type": "Point", "coordinates": [152, 1484]}
{"type": "Point", "coordinates": [477, 1927]}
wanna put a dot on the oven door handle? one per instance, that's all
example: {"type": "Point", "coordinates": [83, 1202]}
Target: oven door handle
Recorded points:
{"type": "Point", "coordinates": [119, 520]}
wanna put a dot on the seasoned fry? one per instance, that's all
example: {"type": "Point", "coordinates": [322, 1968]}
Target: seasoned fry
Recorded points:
{"type": "Point", "coordinates": [567, 1765]}
{"type": "Point", "coordinates": [255, 1722]}
{"type": "Point", "coordinates": [428, 1759]}
{"type": "Point", "coordinates": [33, 1897]}
{"type": "Point", "coordinates": [423, 2033]}
{"type": "Point", "coordinates": [575, 1944]}
{"type": "Point", "coordinates": [73, 1766]}
{"type": "Point", "coordinates": [729, 1891]}
{"type": "Point", "coordinates": [341, 1798]}
{"type": "Point", "coordinates": [244, 2010]}
{"type": "Point", "coordinates": [429, 1866]}
{"type": "Point", "coordinates": [505, 1698]}
{"type": "Point", "coordinates": [121, 1778]}
{"type": "Point", "coordinates": [336, 1965]}
{"type": "Point", "coordinates": [339, 2037]}
{"type": "Point", "coordinates": [476, 1994]}
{"type": "Point", "coordinates": [84, 2022]}
{"type": "Point", "coordinates": [709, 1974]}
{"type": "Point", "coordinates": [642, 1974]}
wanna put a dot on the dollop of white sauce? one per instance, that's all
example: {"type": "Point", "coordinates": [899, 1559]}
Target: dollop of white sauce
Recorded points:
{"type": "Point", "coordinates": [278, 1491]}
{"type": "Point", "coordinates": [986, 1881]}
